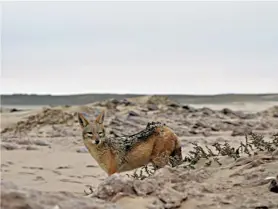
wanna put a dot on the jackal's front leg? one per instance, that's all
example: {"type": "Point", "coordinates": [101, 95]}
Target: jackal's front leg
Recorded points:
{"type": "Point", "coordinates": [112, 170]}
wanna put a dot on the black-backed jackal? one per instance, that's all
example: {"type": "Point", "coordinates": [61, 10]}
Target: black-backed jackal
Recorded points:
{"type": "Point", "coordinates": [156, 144]}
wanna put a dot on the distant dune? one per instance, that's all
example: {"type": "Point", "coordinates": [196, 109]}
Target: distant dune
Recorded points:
{"type": "Point", "coordinates": [81, 99]}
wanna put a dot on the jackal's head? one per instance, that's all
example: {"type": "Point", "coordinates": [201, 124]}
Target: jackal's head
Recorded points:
{"type": "Point", "coordinates": [92, 131]}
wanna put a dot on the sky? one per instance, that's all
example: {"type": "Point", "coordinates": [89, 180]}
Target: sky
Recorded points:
{"type": "Point", "coordinates": [139, 47]}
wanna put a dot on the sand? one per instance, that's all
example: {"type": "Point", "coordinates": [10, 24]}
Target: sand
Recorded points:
{"type": "Point", "coordinates": [47, 154]}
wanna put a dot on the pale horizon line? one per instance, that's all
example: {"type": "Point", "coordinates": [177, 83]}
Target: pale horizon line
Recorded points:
{"type": "Point", "coordinates": [139, 94]}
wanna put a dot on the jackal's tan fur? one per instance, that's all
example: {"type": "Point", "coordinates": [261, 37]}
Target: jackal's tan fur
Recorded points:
{"type": "Point", "coordinates": [157, 145]}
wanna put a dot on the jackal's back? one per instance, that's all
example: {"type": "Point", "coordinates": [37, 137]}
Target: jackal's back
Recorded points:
{"type": "Point", "coordinates": [153, 144]}
{"type": "Point", "coordinates": [123, 144]}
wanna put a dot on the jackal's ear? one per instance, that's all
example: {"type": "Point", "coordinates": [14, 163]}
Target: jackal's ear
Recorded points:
{"type": "Point", "coordinates": [100, 117]}
{"type": "Point", "coordinates": [82, 120]}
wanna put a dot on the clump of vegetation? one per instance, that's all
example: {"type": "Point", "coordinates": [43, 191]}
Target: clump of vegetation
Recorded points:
{"type": "Point", "coordinates": [253, 143]}
{"type": "Point", "coordinates": [149, 171]}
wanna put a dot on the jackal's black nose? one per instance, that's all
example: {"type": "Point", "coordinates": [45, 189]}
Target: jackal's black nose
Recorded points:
{"type": "Point", "coordinates": [97, 141]}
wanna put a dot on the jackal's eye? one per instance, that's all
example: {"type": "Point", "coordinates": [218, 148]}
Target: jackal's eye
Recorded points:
{"type": "Point", "coordinates": [89, 134]}
{"type": "Point", "coordinates": [101, 134]}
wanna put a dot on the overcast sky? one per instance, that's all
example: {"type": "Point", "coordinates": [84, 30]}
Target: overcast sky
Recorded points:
{"type": "Point", "coordinates": [139, 47]}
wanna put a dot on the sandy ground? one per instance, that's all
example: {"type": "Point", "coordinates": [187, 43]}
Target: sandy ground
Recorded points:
{"type": "Point", "coordinates": [50, 156]}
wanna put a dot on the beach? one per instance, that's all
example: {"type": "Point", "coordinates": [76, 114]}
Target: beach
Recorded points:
{"type": "Point", "coordinates": [42, 152]}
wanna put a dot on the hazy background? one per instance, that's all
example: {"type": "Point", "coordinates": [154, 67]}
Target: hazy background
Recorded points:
{"type": "Point", "coordinates": [139, 47]}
